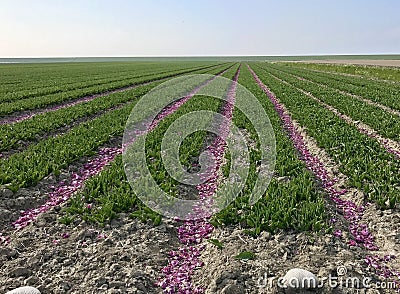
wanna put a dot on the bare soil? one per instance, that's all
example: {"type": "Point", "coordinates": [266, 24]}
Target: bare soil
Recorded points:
{"type": "Point", "coordinates": [394, 63]}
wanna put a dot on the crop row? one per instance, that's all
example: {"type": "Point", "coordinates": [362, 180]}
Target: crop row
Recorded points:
{"type": "Point", "coordinates": [358, 97]}
{"type": "Point", "coordinates": [177, 274]}
{"type": "Point", "coordinates": [46, 87]}
{"type": "Point", "coordinates": [383, 93]}
{"type": "Point", "coordinates": [368, 166]}
{"type": "Point", "coordinates": [49, 156]}
{"type": "Point", "coordinates": [62, 72]}
{"type": "Point", "coordinates": [22, 116]}
{"type": "Point", "coordinates": [63, 191]}
{"type": "Point", "coordinates": [34, 103]}
{"type": "Point", "coordinates": [26, 77]}
{"type": "Point", "coordinates": [12, 134]}
{"type": "Point", "coordinates": [101, 205]}
{"type": "Point", "coordinates": [102, 191]}
{"type": "Point", "coordinates": [387, 124]}
{"type": "Point", "coordinates": [82, 84]}
{"type": "Point", "coordinates": [360, 71]}
{"type": "Point", "coordinates": [37, 161]}
{"type": "Point", "coordinates": [343, 110]}
{"type": "Point", "coordinates": [292, 200]}
{"type": "Point", "coordinates": [353, 213]}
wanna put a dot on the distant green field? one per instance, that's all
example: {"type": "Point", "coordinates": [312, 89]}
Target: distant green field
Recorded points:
{"type": "Point", "coordinates": [200, 58]}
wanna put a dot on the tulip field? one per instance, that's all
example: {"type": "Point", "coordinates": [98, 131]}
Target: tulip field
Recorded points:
{"type": "Point", "coordinates": [70, 221]}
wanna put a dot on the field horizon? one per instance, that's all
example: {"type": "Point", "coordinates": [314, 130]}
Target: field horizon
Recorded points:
{"type": "Point", "coordinates": [226, 58]}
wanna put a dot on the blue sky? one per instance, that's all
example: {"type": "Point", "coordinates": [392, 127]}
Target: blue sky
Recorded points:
{"type": "Point", "coordinates": [57, 28]}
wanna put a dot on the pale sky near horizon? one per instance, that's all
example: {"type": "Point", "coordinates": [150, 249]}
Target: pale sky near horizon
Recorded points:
{"type": "Point", "coordinates": [51, 28]}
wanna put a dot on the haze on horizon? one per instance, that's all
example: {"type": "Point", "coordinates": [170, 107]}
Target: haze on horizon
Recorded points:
{"type": "Point", "coordinates": [69, 28]}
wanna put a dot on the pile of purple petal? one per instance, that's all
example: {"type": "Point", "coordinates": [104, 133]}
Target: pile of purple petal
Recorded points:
{"type": "Point", "coordinates": [64, 190]}
{"type": "Point", "coordinates": [183, 261]}
{"type": "Point", "coordinates": [181, 265]}
{"type": "Point", "coordinates": [380, 265]}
